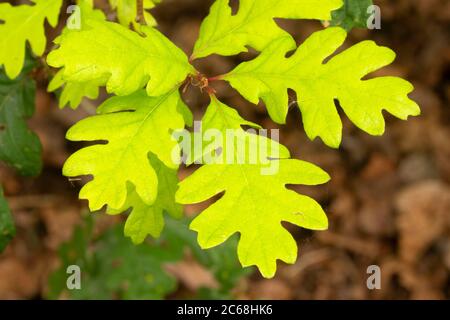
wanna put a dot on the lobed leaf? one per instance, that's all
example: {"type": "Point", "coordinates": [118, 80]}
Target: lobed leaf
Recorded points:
{"type": "Point", "coordinates": [226, 121]}
{"type": "Point", "coordinates": [318, 84]}
{"type": "Point", "coordinates": [147, 219]}
{"type": "Point", "coordinates": [253, 25]}
{"type": "Point", "coordinates": [73, 92]}
{"type": "Point", "coordinates": [133, 126]}
{"type": "Point", "coordinates": [252, 209]}
{"type": "Point", "coordinates": [125, 60]}
{"type": "Point", "coordinates": [21, 24]}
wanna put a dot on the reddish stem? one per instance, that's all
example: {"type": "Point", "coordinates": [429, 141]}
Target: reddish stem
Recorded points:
{"type": "Point", "coordinates": [216, 78]}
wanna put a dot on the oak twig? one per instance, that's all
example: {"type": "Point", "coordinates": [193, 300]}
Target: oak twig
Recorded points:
{"type": "Point", "coordinates": [140, 17]}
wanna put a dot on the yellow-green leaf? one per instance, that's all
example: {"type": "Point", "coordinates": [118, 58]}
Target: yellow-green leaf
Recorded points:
{"type": "Point", "coordinates": [318, 84]}
{"type": "Point", "coordinates": [147, 219]}
{"type": "Point", "coordinates": [72, 93]}
{"type": "Point", "coordinates": [21, 24]}
{"type": "Point", "coordinates": [132, 126]}
{"type": "Point", "coordinates": [254, 25]}
{"type": "Point", "coordinates": [254, 204]}
{"type": "Point", "coordinates": [222, 119]}
{"type": "Point", "coordinates": [127, 60]}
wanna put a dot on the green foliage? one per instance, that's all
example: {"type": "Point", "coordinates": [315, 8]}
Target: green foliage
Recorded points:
{"type": "Point", "coordinates": [249, 207]}
{"type": "Point", "coordinates": [352, 15]}
{"type": "Point", "coordinates": [221, 261]}
{"type": "Point", "coordinates": [21, 24]}
{"type": "Point", "coordinates": [113, 268]}
{"type": "Point", "coordinates": [148, 220]}
{"type": "Point", "coordinates": [133, 126]}
{"type": "Point", "coordinates": [72, 91]}
{"type": "Point", "coordinates": [7, 229]}
{"type": "Point", "coordinates": [19, 147]}
{"type": "Point", "coordinates": [222, 118]}
{"type": "Point", "coordinates": [132, 161]}
{"type": "Point", "coordinates": [126, 11]}
{"type": "Point", "coordinates": [318, 84]}
{"type": "Point", "coordinates": [133, 157]}
{"type": "Point", "coordinates": [130, 61]}
{"type": "Point", "coordinates": [254, 25]}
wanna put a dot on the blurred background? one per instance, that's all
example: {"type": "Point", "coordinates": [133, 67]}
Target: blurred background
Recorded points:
{"type": "Point", "coordinates": [388, 201]}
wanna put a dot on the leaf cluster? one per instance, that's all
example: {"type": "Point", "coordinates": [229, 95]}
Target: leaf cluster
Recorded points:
{"type": "Point", "coordinates": [133, 157]}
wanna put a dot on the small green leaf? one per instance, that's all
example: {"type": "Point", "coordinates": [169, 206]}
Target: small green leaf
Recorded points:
{"type": "Point", "coordinates": [135, 272]}
{"type": "Point", "coordinates": [126, 60]}
{"type": "Point", "coordinates": [133, 126]}
{"type": "Point", "coordinates": [254, 25]}
{"type": "Point", "coordinates": [221, 261]}
{"type": "Point", "coordinates": [19, 147]}
{"type": "Point", "coordinates": [75, 252]}
{"type": "Point", "coordinates": [21, 24]}
{"type": "Point", "coordinates": [148, 220]}
{"type": "Point", "coordinates": [7, 229]}
{"type": "Point", "coordinates": [318, 84]}
{"type": "Point", "coordinates": [252, 209]}
{"type": "Point", "coordinates": [114, 268]}
{"type": "Point", "coordinates": [72, 93]}
{"type": "Point", "coordinates": [354, 14]}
